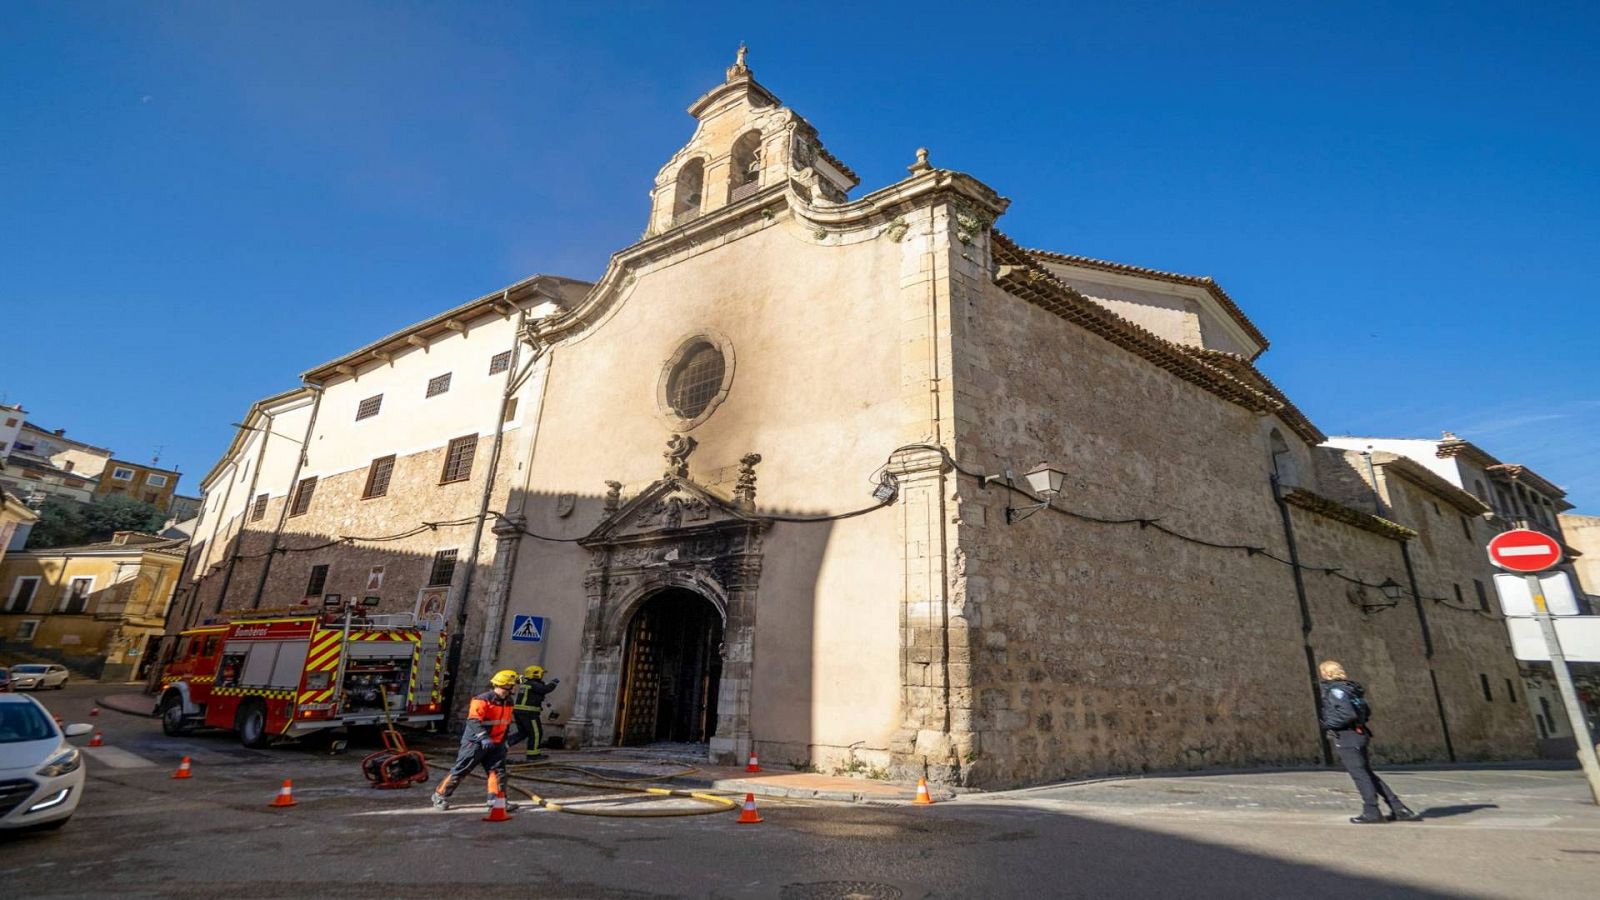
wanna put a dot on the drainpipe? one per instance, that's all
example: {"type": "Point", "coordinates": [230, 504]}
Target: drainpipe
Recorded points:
{"type": "Point", "coordinates": [288, 497]}
{"type": "Point", "coordinates": [233, 558]}
{"type": "Point", "coordinates": [1305, 608]}
{"type": "Point", "coordinates": [453, 661]}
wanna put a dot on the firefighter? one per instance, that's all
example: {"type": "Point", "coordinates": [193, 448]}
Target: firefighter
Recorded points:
{"type": "Point", "coordinates": [531, 691]}
{"type": "Point", "coordinates": [483, 741]}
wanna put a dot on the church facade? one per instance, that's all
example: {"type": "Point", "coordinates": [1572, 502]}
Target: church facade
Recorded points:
{"type": "Point", "coordinates": [761, 487]}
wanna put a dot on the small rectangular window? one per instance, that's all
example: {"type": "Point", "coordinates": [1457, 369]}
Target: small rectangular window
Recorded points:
{"type": "Point", "coordinates": [318, 580]}
{"type": "Point", "coordinates": [1483, 595]}
{"type": "Point", "coordinates": [1457, 589]}
{"type": "Point", "coordinates": [121, 474]}
{"type": "Point", "coordinates": [1484, 680]}
{"type": "Point", "coordinates": [458, 459]}
{"type": "Point", "coordinates": [438, 385]}
{"type": "Point", "coordinates": [156, 480]}
{"type": "Point", "coordinates": [499, 362]}
{"type": "Point", "coordinates": [26, 629]}
{"type": "Point", "coordinates": [378, 477]}
{"type": "Point", "coordinates": [1511, 691]}
{"type": "Point", "coordinates": [444, 568]}
{"type": "Point", "coordinates": [259, 511]}
{"type": "Point", "coordinates": [369, 407]}
{"type": "Point", "coordinates": [302, 496]}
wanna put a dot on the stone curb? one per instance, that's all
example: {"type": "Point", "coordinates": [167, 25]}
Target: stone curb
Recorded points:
{"type": "Point", "coordinates": [129, 704]}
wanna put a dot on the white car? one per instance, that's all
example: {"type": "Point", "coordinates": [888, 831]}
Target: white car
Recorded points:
{"type": "Point", "coordinates": [41, 775]}
{"type": "Point", "coordinates": [34, 676]}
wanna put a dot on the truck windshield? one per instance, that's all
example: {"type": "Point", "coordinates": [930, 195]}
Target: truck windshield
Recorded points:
{"type": "Point", "coordinates": [24, 722]}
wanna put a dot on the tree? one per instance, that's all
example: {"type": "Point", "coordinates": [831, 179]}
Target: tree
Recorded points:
{"type": "Point", "coordinates": [64, 523]}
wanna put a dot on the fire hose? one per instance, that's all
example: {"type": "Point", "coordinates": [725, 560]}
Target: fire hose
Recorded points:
{"type": "Point", "coordinates": [713, 803]}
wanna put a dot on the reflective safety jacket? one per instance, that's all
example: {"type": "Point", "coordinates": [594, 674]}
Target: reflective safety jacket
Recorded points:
{"type": "Point", "coordinates": [531, 693]}
{"type": "Point", "coordinates": [489, 717]}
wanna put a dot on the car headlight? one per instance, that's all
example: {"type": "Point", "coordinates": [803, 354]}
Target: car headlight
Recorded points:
{"type": "Point", "coordinates": [62, 763]}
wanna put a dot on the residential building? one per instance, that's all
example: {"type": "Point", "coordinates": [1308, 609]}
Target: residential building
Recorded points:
{"type": "Point", "coordinates": [754, 489]}
{"type": "Point", "coordinates": [36, 479]}
{"type": "Point", "coordinates": [16, 520]}
{"type": "Point", "coordinates": [142, 482]}
{"type": "Point", "coordinates": [98, 608]}
{"type": "Point", "coordinates": [12, 419]}
{"type": "Point", "coordinates": [66, 454]}
{"type": "Point", "coordinates": [1582, 534]}
{"type": "Point", "coordinates": [183, 508]}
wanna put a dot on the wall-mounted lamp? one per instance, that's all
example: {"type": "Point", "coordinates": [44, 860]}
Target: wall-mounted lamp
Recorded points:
{"type": "Point", "coordinates": [887, 489]}
{"type": "Point", "coordinates": [1391, 590]}
{"type": "Point", "coordinates": [1044, 480]}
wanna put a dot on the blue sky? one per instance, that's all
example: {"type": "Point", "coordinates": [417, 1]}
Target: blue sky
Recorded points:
{"type": "Point", "coordinates": [202, 200]}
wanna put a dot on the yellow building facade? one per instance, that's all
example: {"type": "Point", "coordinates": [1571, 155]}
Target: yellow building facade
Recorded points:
{"type": "Point", "coordinates": [146, 483]}
{"type": "Point", "coordinates": [96, 607]}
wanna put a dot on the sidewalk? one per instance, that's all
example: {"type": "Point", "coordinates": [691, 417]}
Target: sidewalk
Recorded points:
{"type": "Point", "coordinates": [133, 703]}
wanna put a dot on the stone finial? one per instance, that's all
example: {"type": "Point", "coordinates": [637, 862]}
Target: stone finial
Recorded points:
{"type": "Point", "coordinates": [744, 492]}
{"type": "Point", "coordinates": [613, 496]}
{"type": "Point", "coordinates": [679, 446]}
{"type": "Point", "coordinates": [921, 165]}
{"type": "Point", "coordinates": [739, 69]}
{"type": "Point", "coordinates": [1451, 436]}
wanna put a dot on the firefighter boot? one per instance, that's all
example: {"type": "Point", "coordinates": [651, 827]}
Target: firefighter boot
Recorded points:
{"type": "Point", "coordinates": [440, 801]}
{"type": "Point", "coordinates": [510, 806]}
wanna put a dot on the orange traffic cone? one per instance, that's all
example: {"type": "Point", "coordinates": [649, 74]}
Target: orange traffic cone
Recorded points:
{"type": "Point", "coordinates": [96, 741]}
{"type": "Point", "coordinates": [749, 816]}
{"type": "Point", "coordinates": [923, 797]}
{"type": "Point", "coordinates": [285, 795]}
{"type": "Point", "coordinates": [497, 803]}
{"type": "Point", "coordinates": [183, 769]}
{"type": "Point", "coordinates": [755, 764]}
{"type": "Point", "coordinates": [95, 711]}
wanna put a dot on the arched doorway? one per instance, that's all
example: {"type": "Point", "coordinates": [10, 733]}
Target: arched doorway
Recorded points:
{"type": "Point", "coordinates": [672, 671]}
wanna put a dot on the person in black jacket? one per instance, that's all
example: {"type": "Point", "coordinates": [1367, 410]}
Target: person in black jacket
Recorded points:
{"type": "Point", "coordinates": [1345, 713]}
{"type": "Point", "coordinates": [529, 707]}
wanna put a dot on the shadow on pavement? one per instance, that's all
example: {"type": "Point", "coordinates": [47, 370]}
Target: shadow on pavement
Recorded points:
{"type": "Point", "coordinates": [1441, 812]}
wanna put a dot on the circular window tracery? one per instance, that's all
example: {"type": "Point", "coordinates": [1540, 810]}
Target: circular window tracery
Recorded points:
{"type": "Point", "coordinates": [695, 380]}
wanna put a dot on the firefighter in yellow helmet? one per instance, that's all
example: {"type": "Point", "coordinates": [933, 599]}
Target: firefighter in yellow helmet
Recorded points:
{"type": "Point", "coordinates": [484, 740]}
{"type": "Point", "coordinates": [529, 708]}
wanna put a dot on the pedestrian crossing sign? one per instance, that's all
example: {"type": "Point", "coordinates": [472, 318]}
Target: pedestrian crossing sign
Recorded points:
{"type": "Point", "coordinates": [527, 628]}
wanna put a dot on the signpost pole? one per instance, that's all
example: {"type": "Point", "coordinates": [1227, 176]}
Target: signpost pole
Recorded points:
{"type": "Point", "coordinates": [1569, 694]}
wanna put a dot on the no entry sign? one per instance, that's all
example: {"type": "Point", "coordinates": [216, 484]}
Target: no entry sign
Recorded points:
{"type": "Point", "coordinates": [1524, 550]}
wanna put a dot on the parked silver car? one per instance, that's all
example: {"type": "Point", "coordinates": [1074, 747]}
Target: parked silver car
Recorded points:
{"type": "Point", "coordinates": [33, 676]}
{"type": "Point", "coordinates": [41, 775]}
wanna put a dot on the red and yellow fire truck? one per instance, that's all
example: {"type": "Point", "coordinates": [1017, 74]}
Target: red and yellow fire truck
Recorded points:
{"type": "Point", "coordinates": [293, 673]}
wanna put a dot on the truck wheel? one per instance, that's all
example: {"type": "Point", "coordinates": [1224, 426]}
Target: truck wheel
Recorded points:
{"type": "Point", "coordinates": [253, 725]}
{"type": "Point", "coordinates": [173, 723]}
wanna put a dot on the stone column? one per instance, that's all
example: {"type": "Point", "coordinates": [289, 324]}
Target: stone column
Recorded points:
{"type": "Point", "coordinates": [497, 592]}
{"type": "Point", "coordinates": [740, 578]}
{"type": "Point", "coordinates": [598, 665]}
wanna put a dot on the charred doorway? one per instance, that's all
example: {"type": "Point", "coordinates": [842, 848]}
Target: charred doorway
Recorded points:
{"type": "Point", "coordinates": [672, 669]}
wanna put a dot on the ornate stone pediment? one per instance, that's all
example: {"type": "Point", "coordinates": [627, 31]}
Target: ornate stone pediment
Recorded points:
{"type": "Point", "coordinates": [670, 506]}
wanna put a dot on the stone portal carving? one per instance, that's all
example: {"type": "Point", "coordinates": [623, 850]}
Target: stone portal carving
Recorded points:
{"type": "Point", "coordinates": [674, 534]}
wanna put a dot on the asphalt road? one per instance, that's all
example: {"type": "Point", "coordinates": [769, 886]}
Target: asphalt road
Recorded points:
{"type": "Point", "coordinates": [1494, 833]}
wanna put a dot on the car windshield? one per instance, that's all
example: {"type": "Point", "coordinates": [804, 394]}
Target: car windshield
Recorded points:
{"type": "Point", "coordinates": [24, 722]}
{"type": "Point", "coordinates": [28, 670]}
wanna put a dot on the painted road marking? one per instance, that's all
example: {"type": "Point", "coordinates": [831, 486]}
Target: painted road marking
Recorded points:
{"type": "Point", "coordinates": [117, 758]}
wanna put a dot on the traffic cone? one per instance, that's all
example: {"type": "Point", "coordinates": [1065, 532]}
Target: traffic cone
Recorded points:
{"type": "Point", "coordinates": [95, 711]}
{"type": "Point", "coordinates": [183, 769]}
{"type": "Point", "coordinates": [749, 816]}
{"type": "Point", "coordinates": [923, 797]}
{"type": "Point", "coordinates": [96, 740]}
{"type": "Point", "coordinates": [754, 765]}
{"type": "Point", "coordinates": [285, 795]}
{"type": "Point", "coordinates": [497, 803]}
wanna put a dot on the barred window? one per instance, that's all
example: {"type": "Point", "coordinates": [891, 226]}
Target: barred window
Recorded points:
{"type": "Point", "coordinates": [318, 581]}
{"type": "Point", "coordinates": [302, 496]}
{"type": "Point", "coordinates": [458, 459]}
{"type": "Point", "coordinates": [260, 510]}
{"type": "Point", "coordinates": [369, 407]}
{"type": "Point", "coordinates": [696, 381]}
{"type": "Point", "coordinates": [444, 568]}
{"type": "Point", "coordinates": [439, 385]}
{"type": "Point", "coordinates": [499, 362]}
{"type": "Point", "coordinates": [378, 477]}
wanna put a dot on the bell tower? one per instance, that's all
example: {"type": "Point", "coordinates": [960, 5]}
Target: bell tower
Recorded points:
{"type": "Point", "coordinates": [746, 142]}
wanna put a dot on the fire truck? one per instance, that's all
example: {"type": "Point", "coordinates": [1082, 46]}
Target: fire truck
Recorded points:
{"type": "Point", "coordinates": [295, 672]}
